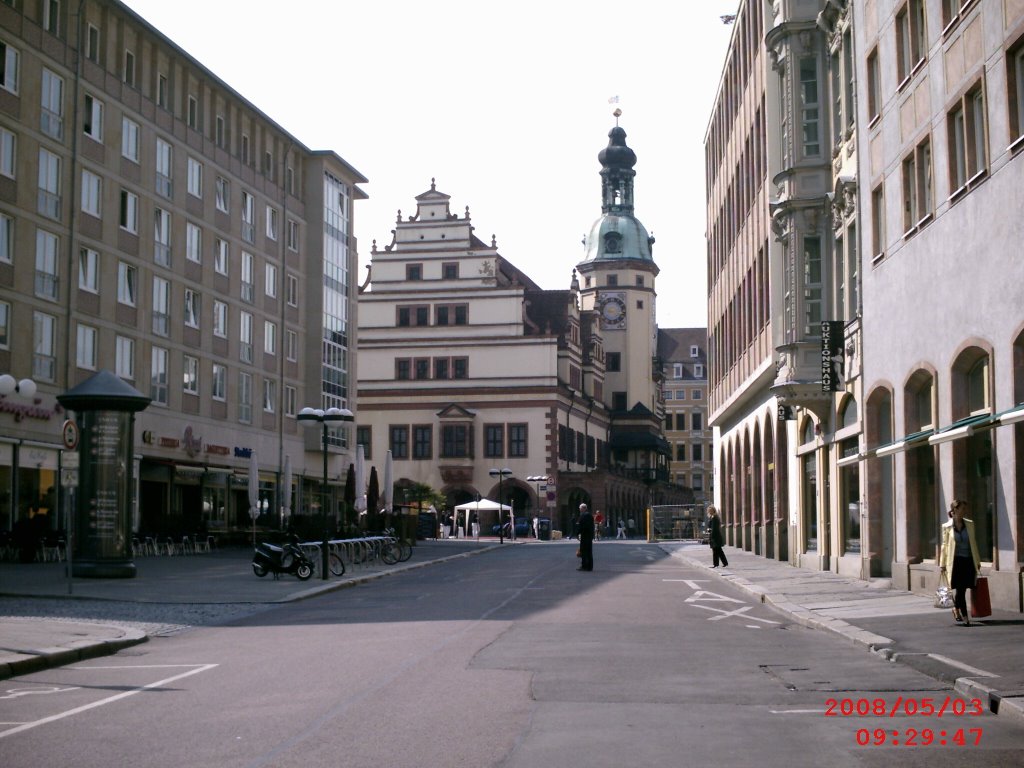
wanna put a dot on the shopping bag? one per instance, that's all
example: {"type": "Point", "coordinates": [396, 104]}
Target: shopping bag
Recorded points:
{"type": "Point", "coordinates": [981, 605]}
{"type": "Point", "coordinates": [944, 597]}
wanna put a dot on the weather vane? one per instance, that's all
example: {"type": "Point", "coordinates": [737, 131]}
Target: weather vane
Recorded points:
{"type": "Point", "coordinates": [618, 111]}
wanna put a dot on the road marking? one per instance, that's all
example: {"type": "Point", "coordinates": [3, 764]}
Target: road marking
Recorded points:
{"type": "Point", "coordinates": [960, 665]}
{"type": "Point", "coordinates": [691, 583]}
{"type": "Point", "coordinates": [737, 612]}
{"type": "Point", "coordinates": [713, 597]}
{"type": "Point", "coordinates": [16, 692]}
{"type": "Point", "coordinates": [110, 699]}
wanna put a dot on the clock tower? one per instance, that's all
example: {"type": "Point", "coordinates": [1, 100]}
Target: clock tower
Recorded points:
{"type": "Point", "coordinates": [617, 281]}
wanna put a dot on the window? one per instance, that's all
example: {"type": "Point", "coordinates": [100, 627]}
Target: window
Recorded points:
{"type": "Point", "coordinates": [517, 440]}
{"type": "Point", "coordinates": [877, 223]}
{"type": "Point", "coordinates": [5, 325]}
{"type": "Point", "coordinates": [455, 441]}
{"type": "Point", "coordinates": [220, 256]}
{"type": "Point", "coordinates": [193, 308]}
{"type": "Point", "coordinates": [269, 337]}
{"type": "Point", "coordinates": [85, 349]}
{"type": "Point", "coordinates": [244, 397]}
{"type": "Point", "coordinates": [697, 455]}
{"type": "Point", "coordinates": [193, 112]}
{"type": "Point", "coordinates": [248, 278]}
{"type": "Point", "coordinates": [129, 69]}
{"type": "Point", "coordinates": [696, 394]}
{"type": "Point", "coordinates": [248, 217]}
{"type": "Point", "coordinates": [917, 187]}
{"type": "Point", "coordinates": [422, 441]}
{"type": "Point", "coordinates": [51, 114]}
{"type": "Point", "coordinates": [812, 286]}
{"type": "Point", "coordinates": [195, 178]}
{"type": "Point", "coordinates": [49, 184]}
{"type": "Point", "coordinates": [6, 238]}
{"type": "Point", "coordinates": [127, 283]}
{"type": "Point", "coordinates": [413, 316]}
{"type": "Point", "coordinates": [293, 235]}
{"type": "Point", "coordinates": [130, 139]}
{"type": "Point", "coordinates": [129, 218]}
{"type": "Point", "coordinates": [161, 306]}
{"type": "Point", "coordinates": [810, 106]}
{"type": "Point", "coordinates": [413, 271]}
{"type": "Point", "coordinates": [125, 361]}
{"type": "Point", "coordinates": [698, 372]}
{"type": "Point", "coordinates": [46, 284]}
{"type": "Point", "coordinates": [218, 136]}
{"type": "Point", "coordinates": [398, 440]}
{"type": "Point", "coordinates": [92, 125]}
{"type": "Point", "coordinates": [222, 190]}
{"type": "Point", "coordinates": [245, 337]}
{"type": "Point", "coordinates": [697, 484]}
{"type": "Point", "coordinates": [681, 452]}
{"type": "Point", "coordinates": [291, 345]}
{"type": "Point", "coordinates": [158, 377]}
{"type": "Point", "coordinates": [292, 283]}
{"type": "Point", "coordinates": [270, 280]}
{"type": "Point", "coordinates": [163, 168]}
{"type": "Point", "coordinates": [162, 237]}
{"type": "Point", "coordinates": [494, 441]}
{"type": "Point", "coordinates": [442, 368]}
{"type": "Point", "coordinates": [874, 87]}
{"type": "Point", "coordinates": [161, 91]}
{"type": "Point", "coordinates": [403, 369]}
{"type": "Point", "coordinates": [1015, 91]}
{"type": "Point", "coordinates": [451, 314]}
{"type": "Point", "coordinates": [681, 421]}
{"type": "Point", "coordinates": [91, 193]}
{"type": "Point", "coordinates": [450, 271]}
{"type": "Point", "coordinates": [696, 422]}
{"type": "Point", "coordinates": [612, 280]}
{"type": "Point", "coordinates": [88, 270]}
{"type": "Point", "coordinates": [44, 346]}
{"type": "Point", "coordinates": [272, 223]}
{"type": "Point", "coordinates": [92, 44]}
{"type": "Point", "coordinates": [220, 319]}
{"type": "Point", "coordinates": [910, 38]}
{"type": "Point", "coordinates": [965, 123]}
{"type": "Point", "coordinates": [10, 60]}
{"type": "Point", "coordinates": [51, 16]}
{"type": "Point", "coordinates": [953, 11]}
{"type": "Point", "coordinates": [290, 398]}
{"type": "Point", "coordinates": [460, 367]}
{"type": "Point", "coordinates": [193, 242]}
{"type": "Point", "coordinates": [269, 396]}
{"type": "Point", "coordinates": [421, 368]}
{"type": "Point", "coordinates": [268, 165]}
{"type": "Point", "coordinates": [245, 150]}
{"type": "Point", "coordinates": [613, 362]}
{"type": "Point", "coordinates": [219, 382]}
{"type": "Point", "coordinates": [190, 375]}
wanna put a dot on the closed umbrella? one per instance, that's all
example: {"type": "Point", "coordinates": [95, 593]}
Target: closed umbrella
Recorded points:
{"type": "Point", "coordinates": [389, 483]}
{"type": "Point", "coordinates": [360, 480]}
{"type": "Point", "coordinates": [254, 492]}
{"type": "Point", "coordinates": [286, 502]}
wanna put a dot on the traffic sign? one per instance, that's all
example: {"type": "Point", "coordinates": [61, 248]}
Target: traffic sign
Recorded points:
{"type": "Point", "coordinates": [70, 434]}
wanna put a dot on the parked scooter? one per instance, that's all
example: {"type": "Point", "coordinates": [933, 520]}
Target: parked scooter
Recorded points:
{"type": "Point", "coordinates": [288, 558]}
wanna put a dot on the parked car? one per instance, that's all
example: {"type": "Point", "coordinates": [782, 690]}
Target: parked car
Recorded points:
{"type": "Point", "coordinates": [522, 528]}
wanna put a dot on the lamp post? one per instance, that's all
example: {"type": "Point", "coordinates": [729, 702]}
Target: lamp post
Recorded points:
{"type": "Point", "coordinates": [539, 480]}
{"type": "Point", "coordinates": [310, 417]}
{"type": "Point", "coordinates": [9, 386]}
{"type": "Point", "coordinates": [501, 474]}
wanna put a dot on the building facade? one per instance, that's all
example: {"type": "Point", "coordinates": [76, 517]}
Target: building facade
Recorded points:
{"type": "Point", "coordinates": [941, 113]}
{"type": "Point", "coordinates": [156, 224]}
{"type": "Point", "coordinates": [683, 352]}
{"type": "Point", "coordinates": [468, 366]}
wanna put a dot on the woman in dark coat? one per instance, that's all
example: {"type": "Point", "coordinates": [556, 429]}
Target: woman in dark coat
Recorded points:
{"type": "Point", "coordinates": [716, 539]}
{"type": "Point", "coordinates": [586, 523]}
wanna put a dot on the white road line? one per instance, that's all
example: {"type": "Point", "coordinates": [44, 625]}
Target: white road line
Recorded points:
{"type": "Point", "coordinates": [109, 699]}
{"type": "Point", "coordinates": [960, 665]}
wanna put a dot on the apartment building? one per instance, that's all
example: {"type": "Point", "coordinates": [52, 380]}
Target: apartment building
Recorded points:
{"type": "Point", "coordinates": [683, 352]}
{"type": "Point", "coordinates": [156, 224]}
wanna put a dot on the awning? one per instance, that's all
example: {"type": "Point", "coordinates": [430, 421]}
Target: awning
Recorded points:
{"type": "Point", "coordinates": [903, 444]}
{"type": "Point", "coordinates": [962, 428]}
{"type": "Point", "coordinates": [1012, 416]}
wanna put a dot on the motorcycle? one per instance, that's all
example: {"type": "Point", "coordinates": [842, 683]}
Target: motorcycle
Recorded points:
{"type": "Point", "coordinates": [287, 558]}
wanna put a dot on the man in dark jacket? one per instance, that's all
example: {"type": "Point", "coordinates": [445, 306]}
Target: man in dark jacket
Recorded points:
{"type": "Point", "coordinates": [586, 523]}
{"type": "Point", "coordinates": [716, 539]}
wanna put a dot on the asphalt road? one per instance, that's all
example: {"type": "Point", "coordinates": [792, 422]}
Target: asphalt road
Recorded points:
{"type": "Point", "coordinates": [511, 658]}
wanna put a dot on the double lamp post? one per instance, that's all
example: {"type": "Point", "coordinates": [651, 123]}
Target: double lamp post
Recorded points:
{"type": "Point", "coordinates": [310, 417]}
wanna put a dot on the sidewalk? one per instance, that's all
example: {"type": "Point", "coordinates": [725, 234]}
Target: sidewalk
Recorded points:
{"type": "Point", "coordinates": [984, 661]}
{"type": "Point", "coordinates": [210, 583]}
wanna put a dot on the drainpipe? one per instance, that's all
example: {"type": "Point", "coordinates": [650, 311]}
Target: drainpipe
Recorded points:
{"type": "Point", "coordinates": [72, 197]}
{"type": "Point", "coordinates": [282, 302]}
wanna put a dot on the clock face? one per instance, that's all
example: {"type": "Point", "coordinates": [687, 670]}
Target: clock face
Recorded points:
{"type": "Point", "coordinates": [613, 311]}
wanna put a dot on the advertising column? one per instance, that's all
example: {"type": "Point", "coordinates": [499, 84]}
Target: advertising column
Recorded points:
{"type": "Point", "coordinates": [105, 407]}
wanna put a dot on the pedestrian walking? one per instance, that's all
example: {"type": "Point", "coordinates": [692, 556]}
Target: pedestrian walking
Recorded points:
{"type": "Point", "coordinates": [598, 524]}
{"type": "Point", "coordinates": [622, 529]}
{"type": "Point", "coordinates": [631, 525]}
{"type": "Point", "coordinates": [586, 532]}
{"type": "Point", "coordinates": [959, 558]}
{"type": "Point", "coordinates": [716, 539]}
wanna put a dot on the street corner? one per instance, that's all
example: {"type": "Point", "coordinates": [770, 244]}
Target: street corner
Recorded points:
{"type": "Point", "coordinates": [31, 644]}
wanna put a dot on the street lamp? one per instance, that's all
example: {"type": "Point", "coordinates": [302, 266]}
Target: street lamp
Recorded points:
{"type": "Point", "coordinates": [309, 417]}
{"type": "Point", "coordinates": [9, 385]}
{"type": "Point", "coordinates": [502, 474]}
{"type": "Point", "coordinates": [539, 480]}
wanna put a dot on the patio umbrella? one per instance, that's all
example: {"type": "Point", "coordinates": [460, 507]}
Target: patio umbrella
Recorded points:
{"type": "Point", "coordinates": [254, 492]}
{"type": "Point", "coordinates": [350, 493]}
{"type": "Point", "coordinates": [360, 480]}
{"type": "Point", "coordinates": [286, 483]}
{"type": "Point", "coordinates": [373, 500]}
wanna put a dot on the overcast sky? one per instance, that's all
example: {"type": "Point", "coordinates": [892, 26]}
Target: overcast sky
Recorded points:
{"type": "Point", "coordinates": [505, 104]}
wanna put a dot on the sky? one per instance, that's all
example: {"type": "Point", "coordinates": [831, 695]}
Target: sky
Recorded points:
{"type": "Point", "coordinates": [506, 105]}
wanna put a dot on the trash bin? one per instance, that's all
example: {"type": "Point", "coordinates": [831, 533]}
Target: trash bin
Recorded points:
{"type": "Point", "coordinates": [544, 529]}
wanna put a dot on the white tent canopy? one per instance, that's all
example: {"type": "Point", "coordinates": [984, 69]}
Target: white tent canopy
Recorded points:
{"type": "Point", "coordinates": [484, 505]}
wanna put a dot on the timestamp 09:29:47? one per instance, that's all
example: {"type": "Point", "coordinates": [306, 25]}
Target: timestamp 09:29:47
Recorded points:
{"type": "Point", "coordinates": [918, 737]}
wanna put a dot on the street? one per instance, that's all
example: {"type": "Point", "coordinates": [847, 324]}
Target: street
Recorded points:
{"type": "Point", "coordinates": [509, 658]}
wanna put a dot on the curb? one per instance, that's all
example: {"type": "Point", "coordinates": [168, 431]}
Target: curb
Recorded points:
{"type": "Point", "coordinates": [998, 703]}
